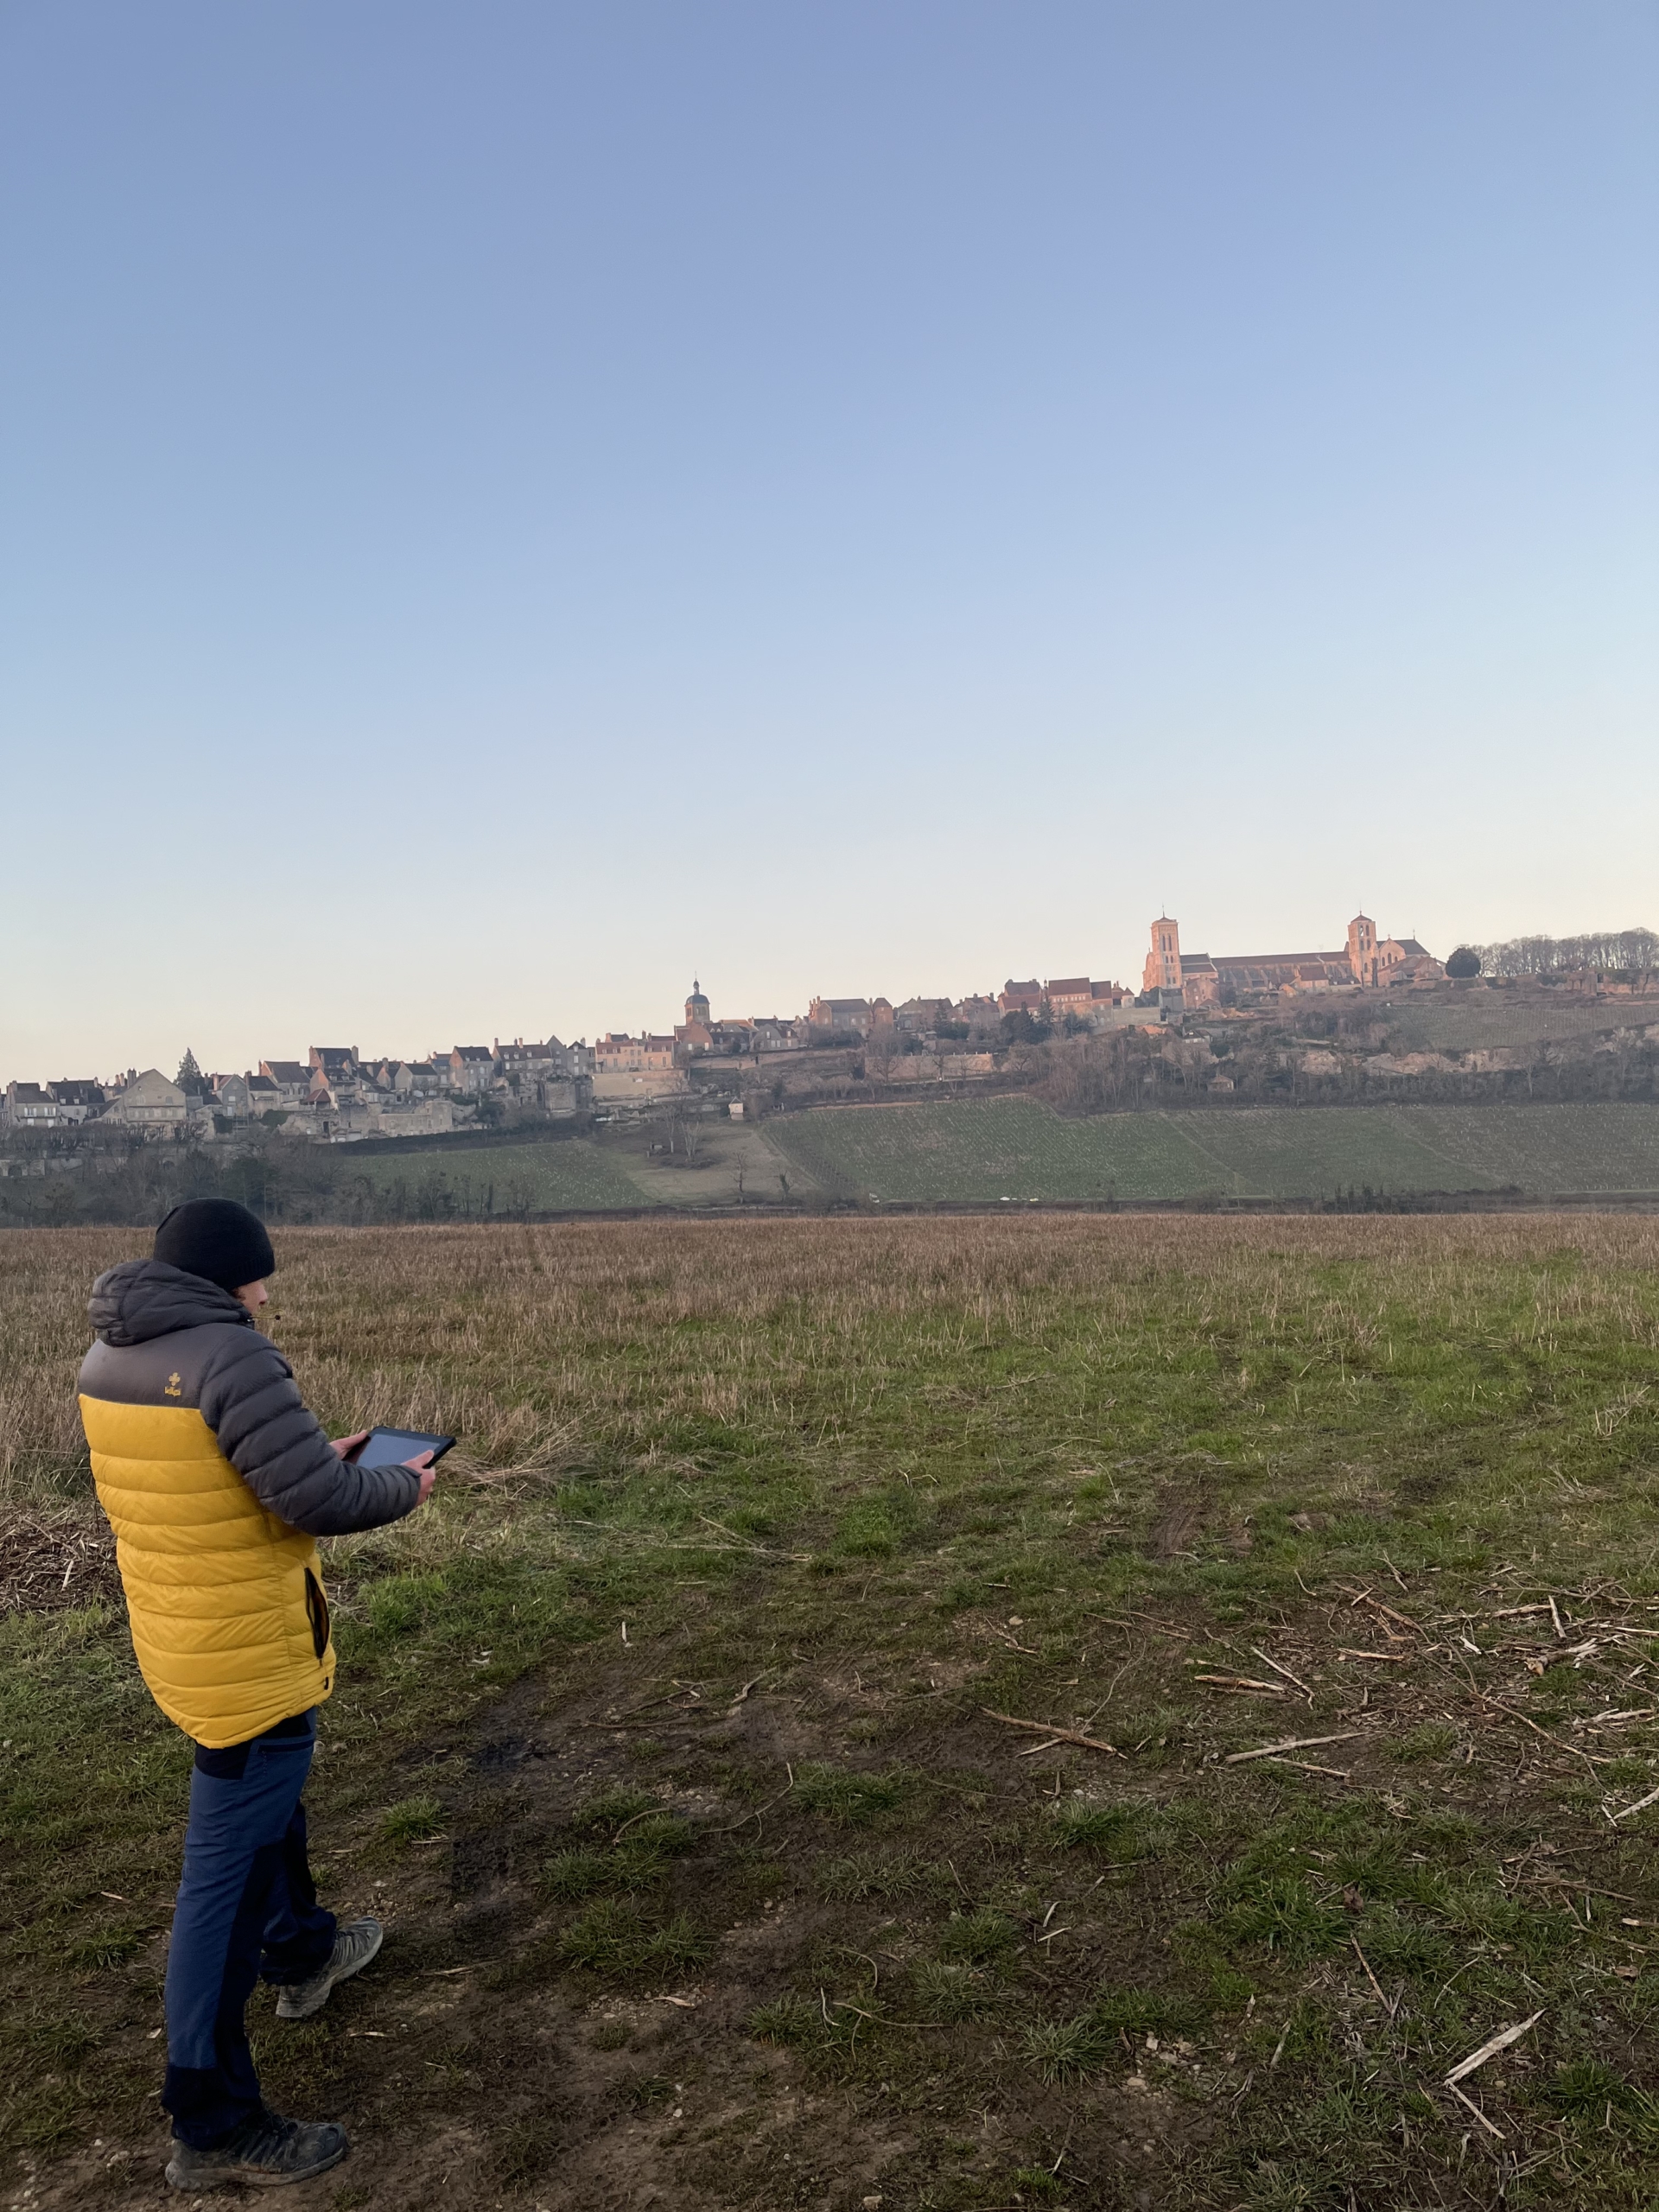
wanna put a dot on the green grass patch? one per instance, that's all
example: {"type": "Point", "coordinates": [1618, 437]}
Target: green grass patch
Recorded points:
{"type": "Point", "coordinates": [616, 1938]}
{"type": "Point", "coordinates": [1017, 1148]}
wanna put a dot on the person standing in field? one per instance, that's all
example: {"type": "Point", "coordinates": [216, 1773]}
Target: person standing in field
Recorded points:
{"type": "Point", "coordinates": [217, 1483]}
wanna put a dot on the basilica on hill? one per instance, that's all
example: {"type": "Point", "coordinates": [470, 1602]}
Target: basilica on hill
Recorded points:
{"type": "Point", "coordinates": [1367, 961]}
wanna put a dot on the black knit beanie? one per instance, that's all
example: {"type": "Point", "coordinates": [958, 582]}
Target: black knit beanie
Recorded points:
{"type": "Point", "coordinates": [217, 1239]}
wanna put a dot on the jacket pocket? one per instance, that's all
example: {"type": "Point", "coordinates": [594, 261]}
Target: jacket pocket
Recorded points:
{"type": "Point", "coordinates": [316, 1606]}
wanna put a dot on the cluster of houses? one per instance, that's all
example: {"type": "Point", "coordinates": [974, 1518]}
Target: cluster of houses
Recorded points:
{"type": "Point", "coordinates": [337, 1094]}
{"type": "Point", "coordinates": [334, 1095]}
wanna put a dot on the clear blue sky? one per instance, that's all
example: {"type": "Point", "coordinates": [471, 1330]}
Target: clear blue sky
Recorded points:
{"type": "Point", "coordinates": [503, 506]}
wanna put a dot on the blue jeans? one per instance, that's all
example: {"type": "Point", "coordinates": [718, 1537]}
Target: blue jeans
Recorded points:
{"type": "Point", "coordinates": [246, 1906]}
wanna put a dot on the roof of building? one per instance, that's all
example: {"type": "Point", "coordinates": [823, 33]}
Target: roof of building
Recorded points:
{"type": "Point", "coordinates": [28, 1094]}
{"type": "Point", "coordinates": [472, 1052]}
{"type": "Point", "coordinates": [1277, 959]}
{"type": "Point", "coordinates": [153, 1084]}
{"type": "Point", "coordinates": [287, 1070]}
{"type": "Point", "coordinates": [1075, 986]}
{"type": "Point", "coordinates": [1410, 945]}
{"type": "Point", "coordinates": [77, 1091]}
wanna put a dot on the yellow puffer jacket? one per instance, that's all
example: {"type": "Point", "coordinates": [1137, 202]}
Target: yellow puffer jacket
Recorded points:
{"type": "Point", "coordinates": [229, 1623]}
{"type": "Point", "coordinates": [216, 1482]}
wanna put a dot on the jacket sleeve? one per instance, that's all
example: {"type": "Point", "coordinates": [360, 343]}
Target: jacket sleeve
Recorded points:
{"type": "Point", "coordinates": [252, 1404]}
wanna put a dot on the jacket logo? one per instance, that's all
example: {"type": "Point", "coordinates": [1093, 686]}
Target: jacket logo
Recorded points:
{"type": "Point", "coordinates": [173, 1388]}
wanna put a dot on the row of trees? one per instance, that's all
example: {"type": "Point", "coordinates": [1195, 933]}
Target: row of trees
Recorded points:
{"type": "Point", "coordinates": [1550, 955]}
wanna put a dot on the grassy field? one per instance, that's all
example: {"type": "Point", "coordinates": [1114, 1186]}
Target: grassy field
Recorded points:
{"type": "Point", "coordinates": [803, 1756]}
{"type": "Point", "coordinates": [623, 1168]}
{"type": "Point", "coordinates": [1016, 1149]}
{"type": "Point", "coordinates": [572, 1175]}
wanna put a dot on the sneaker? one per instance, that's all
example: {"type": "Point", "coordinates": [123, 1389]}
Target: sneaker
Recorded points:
{"type": "Point", "coordinates": [353, 1948]}
{"type": "Point", "coordinates": [264, 2151]}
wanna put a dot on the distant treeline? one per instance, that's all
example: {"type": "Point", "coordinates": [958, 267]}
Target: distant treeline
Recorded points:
{"type": "Point", "coordinates": [72, 1179]}
{"type": "Point", "coordinates": [1619, 950]}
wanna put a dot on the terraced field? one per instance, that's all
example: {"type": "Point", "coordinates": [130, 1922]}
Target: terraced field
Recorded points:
{"type": "Point", "coordinates": [1016, 1149]}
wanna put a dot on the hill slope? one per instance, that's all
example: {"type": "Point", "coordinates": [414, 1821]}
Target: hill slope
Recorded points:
{"type": "Point", "coordinates": [1017, 1148]}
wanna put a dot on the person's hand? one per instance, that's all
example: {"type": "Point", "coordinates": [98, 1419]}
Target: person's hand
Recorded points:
{"type": "Point", "coordinates": [421, 1464]}
{"type": "Point", "coordinates": [347, 1445]}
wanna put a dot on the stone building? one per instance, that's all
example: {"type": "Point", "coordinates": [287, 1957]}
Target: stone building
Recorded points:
{"type": "Point", "coordinates": [471, 1068]}
{"type": "Point", "coordinates": [1078, 996]}
{"type": "Point", "coordinates": [632, 1069]}
{"type": "Point", "coordinates": [1365, 961]}
{"type": "Point", "coordinates": [29, 1106]}
{"type": "Point", "coordinates": [404, 1077]}
{"type": "Point", "coordinates": [232, 1095]}
{"type": "Point", "coordinates": [1081, 998]}
{"type": "Point", "coordinates": [364, 1110]}
{"type": "Point", "coordinates": [152, 1104]}
{"type": "Point", "coordinates": [538, 1077]}
{"type": "Point", "coordinates": [854, 1017]}
{"type": "Point", "coordinates": [292, 1079]}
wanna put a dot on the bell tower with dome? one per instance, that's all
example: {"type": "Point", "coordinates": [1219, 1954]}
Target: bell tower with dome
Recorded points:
{"type": "Point", "coordinates": [697, 1006]}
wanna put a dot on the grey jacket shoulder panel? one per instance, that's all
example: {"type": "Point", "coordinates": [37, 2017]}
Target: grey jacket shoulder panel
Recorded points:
{"type": "Point", "coordinates": [164, 1371]}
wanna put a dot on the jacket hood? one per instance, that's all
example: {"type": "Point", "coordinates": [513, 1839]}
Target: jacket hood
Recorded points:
{"type": "Point", "coordinates": [142, 1298]}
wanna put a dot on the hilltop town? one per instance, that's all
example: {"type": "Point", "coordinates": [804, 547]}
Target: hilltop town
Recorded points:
{"type": "Point", "coordinates": [1296, 1027]}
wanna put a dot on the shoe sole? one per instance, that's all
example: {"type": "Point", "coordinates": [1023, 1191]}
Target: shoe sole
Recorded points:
{"type": "Point", "coordinates": [285, 2012]}
{"type": "Point", "coordinates": [252, 2177]}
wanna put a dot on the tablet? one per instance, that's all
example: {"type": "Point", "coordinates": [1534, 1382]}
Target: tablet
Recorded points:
{"type": "Point", "coordinates": [390, 1447]}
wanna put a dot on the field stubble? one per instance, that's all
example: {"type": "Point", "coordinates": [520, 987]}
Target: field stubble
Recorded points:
{"type": "Point", "coordinates": [675, 1743]}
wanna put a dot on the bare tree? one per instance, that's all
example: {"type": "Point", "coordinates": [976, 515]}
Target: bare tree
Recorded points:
{"type": "Point", "coordinates": [684, 1137]}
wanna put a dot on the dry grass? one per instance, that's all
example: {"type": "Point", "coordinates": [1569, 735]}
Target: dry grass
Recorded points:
{"type": "Point", "coordinates": [524, 1340]}
{"type": "Point", "coordinates": [850, 1483]}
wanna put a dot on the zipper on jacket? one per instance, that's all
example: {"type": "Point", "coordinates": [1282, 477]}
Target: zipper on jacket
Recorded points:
{"type": "Point", "coordinates": [316, 1606]}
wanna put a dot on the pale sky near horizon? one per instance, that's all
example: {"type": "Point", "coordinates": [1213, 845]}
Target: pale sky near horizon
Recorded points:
{"type": "Point", "coordinates": [504, 506]}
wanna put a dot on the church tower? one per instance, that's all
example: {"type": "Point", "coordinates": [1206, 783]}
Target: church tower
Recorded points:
{"type": "Point", "coordinates": [1163, 969]}
{"type": "Point", "coordinates": [697, 1006]}
{"type": "Point", "coordinates": [1362, 949]}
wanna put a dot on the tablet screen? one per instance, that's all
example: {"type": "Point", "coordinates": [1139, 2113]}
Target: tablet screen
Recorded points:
{"type": "Point", "coordinates": [390, 1447]}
